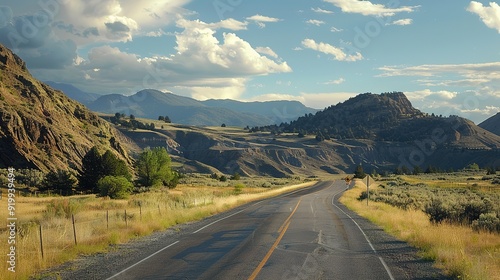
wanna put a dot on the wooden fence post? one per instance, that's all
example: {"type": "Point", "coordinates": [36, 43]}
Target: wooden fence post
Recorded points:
{"type": "Point", "coordinates": [107, 219]}
{"type": "Point", "coordinates": [74, 228]}
{"type": "Point", "coordinates": [126, 222]}
{"type": "Point", "coordinates": [41, 240]}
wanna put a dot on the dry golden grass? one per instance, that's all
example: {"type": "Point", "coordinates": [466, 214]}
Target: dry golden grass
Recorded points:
{"type": "Point", "coordinates": [459, 251]}
{"type": "Point", "coordinates": [100, 222]}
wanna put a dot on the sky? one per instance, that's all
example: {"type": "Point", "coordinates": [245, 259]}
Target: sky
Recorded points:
{"type": "Point", "coordinates": [444, 55]}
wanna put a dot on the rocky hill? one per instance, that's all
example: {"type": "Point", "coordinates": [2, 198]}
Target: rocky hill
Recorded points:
{"type": "Point", "coordinates": [492, 124]}
{"type": "Point", "coordinates": [391, 117]}
{"type": "Point", "coordinates": [41, 127]}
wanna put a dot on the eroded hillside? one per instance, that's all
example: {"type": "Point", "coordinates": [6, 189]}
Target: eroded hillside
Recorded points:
{"type": "Point", "coordinates": [42, 128]}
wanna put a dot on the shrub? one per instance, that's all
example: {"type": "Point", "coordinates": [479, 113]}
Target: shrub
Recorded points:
{"type": "Point", "coordinates": [238, 188]}
{"type": "Point", "coordinates": [62, 208]}
{"type": "Point", "coordinates": [116, 187]}
{"type": "Point", "coordinates": [436, 211]}
{"type": "Point", "coordinates": [489, 222]}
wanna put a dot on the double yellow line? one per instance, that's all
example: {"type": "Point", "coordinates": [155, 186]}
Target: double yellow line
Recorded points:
{"type": "Point", "coordinates": [281, 231]}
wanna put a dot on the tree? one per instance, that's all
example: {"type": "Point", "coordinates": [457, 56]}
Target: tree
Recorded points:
{"type": "Point", "coordinates": [161, 118]}
{"type": "Point", "coordinates": [92, 170]}
{"type": "Point", "coordinates": [96, 166]}
{"type": "Point", "coordinates": [113, 166]}
{"type": "Point", "coordinates": [132, 117]}
{"type": "Point", "coordinates": [116, 187]}
{"type": "Point", "coordinates": [167, 119]}
{"type": "Point", "coordinates": [153, 167]}
{"type": "Point", "coordinates": [359, 173]}
{"type": "Point", "coordinates": [60, 180]}
{"type": "Point", "coordinates": [223, 125]}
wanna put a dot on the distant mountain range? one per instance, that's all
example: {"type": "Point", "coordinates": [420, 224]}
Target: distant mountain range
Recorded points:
{"type": "Point", "coordinates": [150, 103]}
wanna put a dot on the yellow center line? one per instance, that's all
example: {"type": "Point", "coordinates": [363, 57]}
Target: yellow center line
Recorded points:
{"type": "Point", "coordinates": [281, 230]}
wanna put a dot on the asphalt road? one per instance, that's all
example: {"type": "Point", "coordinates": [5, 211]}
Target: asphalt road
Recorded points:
{"type": "Point", "coordinates": [303, 235]}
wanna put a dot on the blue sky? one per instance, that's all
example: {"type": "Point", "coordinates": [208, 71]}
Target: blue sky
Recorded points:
{"type": "Point", "coordinates": [445, 55]}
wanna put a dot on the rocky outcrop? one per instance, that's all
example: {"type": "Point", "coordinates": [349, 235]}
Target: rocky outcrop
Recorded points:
{"type": "Point", "coordinates": [41, 127]}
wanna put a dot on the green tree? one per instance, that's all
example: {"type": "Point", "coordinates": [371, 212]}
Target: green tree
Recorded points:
{"type": "Point", "coordinates": [60, 180]}
{"type": "Point", "coordinates": [359, 173]}
{"type": "Point", "coordinates": [92, 170]}
{"type": "Point", "coordinates": [113, 166]}
{"type": "Point", "coordinates": [116, 187]}
{"type": "Point", "coordinates": [96, 166]}
{"type": "Point", "coordinates": [153, 167]}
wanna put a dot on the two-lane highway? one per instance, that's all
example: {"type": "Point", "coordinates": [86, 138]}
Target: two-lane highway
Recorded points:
{"type": "Point", "coordinates": [303, 235]}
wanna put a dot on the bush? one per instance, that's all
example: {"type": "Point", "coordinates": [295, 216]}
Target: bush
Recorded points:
{"type": "Point", "coordinates": [436, 211]}
{"type": "Point", "coordinates": [236, 176]}
{"type": "Point", "coordinates": [489, 222]}
{"type": "Point", "coordinates": [116, 187]}
{"type": "Point", "coordinates": [238, 188]}
{"type": "Point", "coordinates": [62, 208]}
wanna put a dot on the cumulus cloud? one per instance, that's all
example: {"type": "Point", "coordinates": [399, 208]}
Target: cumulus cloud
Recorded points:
{"type": "Point", "coordinates": [367, 8]}
{"type": "Point", "coordinates": [202, 66]}
{"type": "Point", "coordinates": [490, 15]}
{"type": "Point", "coordinates": [267, 51]}
{"type": "Point", "coordinates": [335, 52]}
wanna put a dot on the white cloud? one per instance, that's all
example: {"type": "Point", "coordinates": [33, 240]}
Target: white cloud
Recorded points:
{"type": "Point", "coordinates": [405, 21]}
{"type": "Point", "coordinates": [230, 24]}
{"type": "Point", "coordinates": [337, 53]}
{"type": "Point", "coordinates": [321, 11]}
{"type": "Point", "coordinates": [486, 72]}
{"type": "Point", "coordinates": [367, 8]}
{"type": "Point", "coordinates": [426, 93]}
{"type": "Point", "coordinates": [489, 15]}
{"type": "Point", "coordinates": [202, 66]}
{"type": "Point", "coordinates": [315, 22]}
{"type": "Point", "coordinates": [335, 82]}
{"type": "Point", "coordinates": [260, 20]}
{"type": "Point", "coordinates": [334, 29]}
{"type": "Point", "coordinates": [267, 51]}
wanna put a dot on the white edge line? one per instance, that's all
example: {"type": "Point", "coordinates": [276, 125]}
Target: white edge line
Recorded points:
{"type": "Point", "coordinates": [366, 237]}
{"type": "Point", "coordinates": [142, 260]}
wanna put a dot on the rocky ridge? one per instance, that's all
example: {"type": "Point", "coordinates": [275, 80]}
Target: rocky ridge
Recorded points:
{"type": "Point", "coordinates": [42, 128]}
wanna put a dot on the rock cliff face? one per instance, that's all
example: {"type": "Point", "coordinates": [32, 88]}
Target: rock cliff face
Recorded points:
{"type": "Point", "coordinates": [42, 128]}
